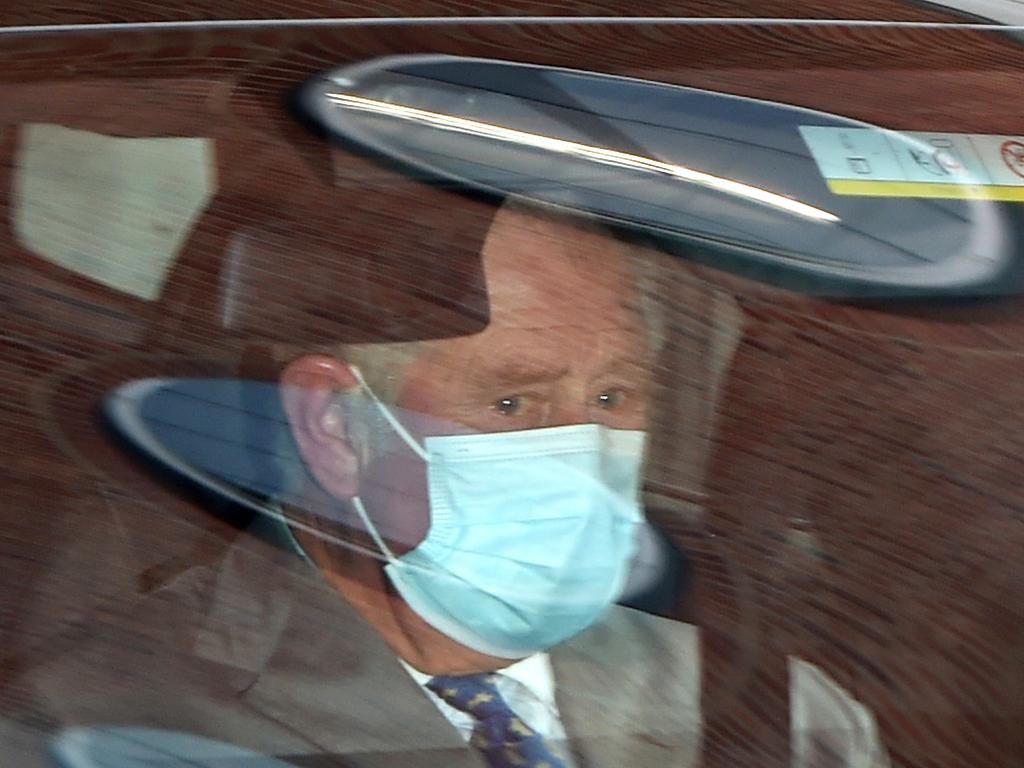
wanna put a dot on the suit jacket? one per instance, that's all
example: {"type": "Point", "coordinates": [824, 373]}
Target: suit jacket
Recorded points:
{"type": "Point", "coordinates": [147, 620]}
{"type": "Point", "coordinates": [255, 649]}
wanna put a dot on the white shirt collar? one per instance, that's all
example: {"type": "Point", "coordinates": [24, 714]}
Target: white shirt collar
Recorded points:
{"type": "Point", "coordinates": [534, 672]}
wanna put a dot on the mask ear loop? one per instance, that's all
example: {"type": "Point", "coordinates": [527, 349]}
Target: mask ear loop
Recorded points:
{"type": "Point", "coordinates": [396, 425]}
{"type": "Point", "coordinates": [358, 504]}
{"type": "Point", "coordinates": [407, 438]}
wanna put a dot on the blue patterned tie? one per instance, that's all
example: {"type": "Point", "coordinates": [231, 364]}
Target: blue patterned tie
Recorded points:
{"type": "Point", "coordinates": [504, 739]}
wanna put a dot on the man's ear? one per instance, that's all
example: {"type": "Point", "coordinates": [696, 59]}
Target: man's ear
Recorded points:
{"type": "Point", "coordinates": [309, 389]}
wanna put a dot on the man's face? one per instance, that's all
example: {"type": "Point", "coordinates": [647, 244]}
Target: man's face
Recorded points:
{"type": "Point", "coordinates": [566, 342]}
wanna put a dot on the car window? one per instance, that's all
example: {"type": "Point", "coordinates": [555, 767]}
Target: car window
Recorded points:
{"type": "Point", "coordinates": [606, 393]}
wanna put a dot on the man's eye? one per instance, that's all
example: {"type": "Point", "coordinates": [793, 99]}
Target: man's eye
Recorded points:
{"type": "Point", "coordinates": [508, 406]}
{"type": "Point", "coordinates": [611, 398]}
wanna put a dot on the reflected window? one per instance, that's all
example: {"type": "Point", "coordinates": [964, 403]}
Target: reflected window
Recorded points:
{"type": "Point", "coordinates": [111, 209]}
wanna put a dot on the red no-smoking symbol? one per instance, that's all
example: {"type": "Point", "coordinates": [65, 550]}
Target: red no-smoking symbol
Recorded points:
{"type": "Point", "coordinates": [1013, 156]}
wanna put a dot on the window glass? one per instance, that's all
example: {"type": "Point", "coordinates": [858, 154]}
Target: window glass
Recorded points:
{"type": "Point", "coordinates": [649, 396]}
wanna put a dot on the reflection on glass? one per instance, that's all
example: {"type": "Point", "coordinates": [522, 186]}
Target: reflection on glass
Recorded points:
{"type": "Point", "coordinates": [112, 209]}
{"type": "Point", "coordinates": [735, 182]}
{"type": "Point", "coordinates": [595, 154]}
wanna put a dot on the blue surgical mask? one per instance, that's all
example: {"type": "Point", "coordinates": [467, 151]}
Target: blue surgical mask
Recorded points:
{"type": "Point", "coordinates": [531, 533]}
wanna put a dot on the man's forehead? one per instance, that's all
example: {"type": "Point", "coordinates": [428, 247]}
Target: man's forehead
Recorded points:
{"type": "Point", "coordinates": [548, 276]}
{"type": "Point", "coordinates": [519, 232]}
{"type": "Point", "coordinates": [540, 259]}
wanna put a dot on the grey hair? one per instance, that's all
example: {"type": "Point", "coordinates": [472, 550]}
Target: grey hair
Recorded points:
{"type": "Point", "coordinates": [382, 367]}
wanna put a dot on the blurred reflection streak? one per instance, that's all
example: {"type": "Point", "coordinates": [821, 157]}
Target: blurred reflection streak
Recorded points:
{"type": "Point", "coordinates": [585, 151]}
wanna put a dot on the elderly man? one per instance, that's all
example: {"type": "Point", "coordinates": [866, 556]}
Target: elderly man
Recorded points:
{"type": "Point", "coordinates": [495, 481]}
{"type": "Point", "coordinates": [483, 519]}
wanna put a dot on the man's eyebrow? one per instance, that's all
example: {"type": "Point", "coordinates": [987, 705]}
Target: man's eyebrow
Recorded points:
{"type": "Point", "coordinates": [523, 371]}
{"type": "Point", "coordinates": [515, 372]}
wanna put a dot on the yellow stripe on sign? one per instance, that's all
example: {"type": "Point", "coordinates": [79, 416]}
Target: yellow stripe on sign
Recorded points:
{"type": "Point", "coordinates": [923, 189]}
